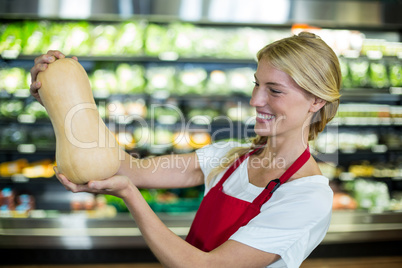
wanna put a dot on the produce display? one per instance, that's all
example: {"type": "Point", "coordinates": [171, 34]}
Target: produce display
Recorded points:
{"type": "Point", "coordinates": [346, 140]}
{"type": "Point", "coordinates": [165, 65]}
{"type": "Point", "coordinates": [85, 148]}
{"type": "Point", "coordinates": [370, 195]}
{"type": "Point", "coordinates": [132, 38]}
{"type": "Point", "coordinates": [16, 205]}
{"type": "Point", "coordinates": [368, 114]}
{"type": "Point", "coordinates": [14, 79]}
{"type": "Point", "coordinates": [367, 73]}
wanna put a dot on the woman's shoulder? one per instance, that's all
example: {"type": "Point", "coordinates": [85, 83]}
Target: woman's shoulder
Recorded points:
{"type": "Point", "coordinates": [311, 191]}
{"type": "Point", "coordinates": [220, 148]}
{"type": "Point", "coordinates": [213, 155]}
{"type": "Point", "coordinates": [311, 183]}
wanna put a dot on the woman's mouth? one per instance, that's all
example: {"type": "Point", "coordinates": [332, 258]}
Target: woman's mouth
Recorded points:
{"type": "Point", "coordinates": [264, 117]}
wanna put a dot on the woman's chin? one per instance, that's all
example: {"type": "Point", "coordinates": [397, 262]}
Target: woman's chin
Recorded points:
{"type": "Point", "coordinates": [263, 132]}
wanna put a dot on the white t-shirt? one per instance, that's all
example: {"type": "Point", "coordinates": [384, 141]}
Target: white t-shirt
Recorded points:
{"type": "Point", "coordinates": [291, 224]}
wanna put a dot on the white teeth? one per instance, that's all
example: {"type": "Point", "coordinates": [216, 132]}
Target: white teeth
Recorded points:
{"type": "Point", "coordinates": [265, 116]}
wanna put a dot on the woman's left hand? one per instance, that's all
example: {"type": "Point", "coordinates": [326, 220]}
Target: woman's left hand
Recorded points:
{"type": "Point", "coordinates": [117, 185]}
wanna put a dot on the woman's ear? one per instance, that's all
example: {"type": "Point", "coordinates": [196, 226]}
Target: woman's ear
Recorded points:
{"type": "Point", "coordinates": [317, 104]}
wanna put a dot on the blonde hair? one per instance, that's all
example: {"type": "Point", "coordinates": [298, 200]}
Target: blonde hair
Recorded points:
{"type": "Point", "coordinates": [314, 66]}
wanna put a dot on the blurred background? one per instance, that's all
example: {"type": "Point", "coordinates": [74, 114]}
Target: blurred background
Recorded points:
{"type": "Point", "coordinates": [171, 76]}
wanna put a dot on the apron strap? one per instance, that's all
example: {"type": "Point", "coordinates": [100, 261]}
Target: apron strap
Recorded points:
{"type": "Point", "coordinates": [276, 183]}
{"type": "Point", "coordinates": [235, 165]}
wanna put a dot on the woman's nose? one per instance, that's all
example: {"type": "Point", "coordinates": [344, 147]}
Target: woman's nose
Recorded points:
{"type": "Point", "coordinates": [259, 98]}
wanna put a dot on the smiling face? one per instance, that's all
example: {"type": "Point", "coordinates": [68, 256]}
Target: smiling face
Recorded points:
{"type": "Point", "coordinates": [282, 106]}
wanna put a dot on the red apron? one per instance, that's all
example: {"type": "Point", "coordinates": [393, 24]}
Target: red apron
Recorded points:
{"type": "Point", "coordinates": [221, 215]}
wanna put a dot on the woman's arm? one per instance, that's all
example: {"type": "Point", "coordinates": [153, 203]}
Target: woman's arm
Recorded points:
{"type": "Point", "coordinates": [170, 249]}
{"type": "Point", "coordinates": [168, 171]}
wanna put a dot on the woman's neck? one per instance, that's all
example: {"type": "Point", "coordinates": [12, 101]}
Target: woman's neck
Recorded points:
{"type": "Point", "coordinates": [282, 152]}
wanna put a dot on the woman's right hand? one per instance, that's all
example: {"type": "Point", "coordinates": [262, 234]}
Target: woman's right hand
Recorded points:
{"type": "Point", "coordinates": [117, 185]}
{"type": "Point", "coordinates": [41, 64]}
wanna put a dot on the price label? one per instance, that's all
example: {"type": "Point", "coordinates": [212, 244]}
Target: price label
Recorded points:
{"type": "Point", "coordinates": [10, 54]}
{"type": "Point", "coordinates": [395, 90]}
{"type": "Point", "coordinates": [19, 178]}
{"type": "Point", "coordinates": [26, 118]}
{"type": "Point", "coordinates": [374, 54]}
{"type": "Point", "coordinates": [379, 148]}
{"type": "Point", "coordinates": [26, 148]}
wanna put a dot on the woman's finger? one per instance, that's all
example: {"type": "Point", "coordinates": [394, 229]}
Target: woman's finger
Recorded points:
{"type": "Point", "coordinates": [111, 184]}
{"type": "Point", "coordinates": [45, 58]}
{"type": "Point", "coordinates": [39, 67]}
{"type": "Point", "coordinates": [75, 188]}
{"type": "Point", "coordinates": [33, 88]}
{"type": "Point", "coordinates": [56, 54]}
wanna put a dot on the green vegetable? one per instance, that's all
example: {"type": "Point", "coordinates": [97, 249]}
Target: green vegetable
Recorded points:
{"type": "Point", "coordinates": [148, 195]}
{"type": "Point", "coordinates": [238, 44]}
{"type": "Point", "coordinates": [240, 80]}
{"type": "Point", "coordinates": [157, 40]}
{"type": "Point", "coordinates": [12, 79]}
{"type": "Point", "coordinates": [191, 81]}
{"type": "Point", "coordinates": [142, 137]}
{"type": "Point", "coordinates": [211, 113]}
{"type": "Point", "coordinates": [129, 39]}
{"type": "Point", "coordinates": [117, 202]}
{"type": "Point", "coordinates": [346, 81]}
{"type": "Point", "coordinates": [378, 75]}
{"type": "Point", "coordinates": [57, 35]}
{"type": "Point", "coordinates": [160, 78]}
{"type": "Point", "coordinates": [11, 40]}
{"type": "Point", "coordinates": [77, 41]}
{"type": "Point", "coordinates": [210, 42]}
{"type": "Point", "coordinates": [165, 115]}
{"type": "Point", "coordinates": [163, 137]}
{"type": "Point", "coordinates": [11, 108]}
{"type": "Point", "coordinates": [217, 83]}
{"type": "Point", "coordinates": [104, 81]}
{"type": "Point", "coordinates": [359, 73]}
{"type": "Point", "coordinates": [130, 78]}
{"type": "Point", "coordinates": [36, 109]}
{"type": "Point", "coordinates": [103, 37]}
{"type": "Point", "coordinates": [13, 136]}
{"type": "Point", "coordinates": [34, 33]}
{"type": "Point", "coordinates": [395, 74]}
{"type": "Point", "coordinates": [184, 39]}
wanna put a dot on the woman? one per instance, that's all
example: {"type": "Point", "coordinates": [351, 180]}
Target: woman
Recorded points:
{"type": "Point", "coordinates": [265, 205]}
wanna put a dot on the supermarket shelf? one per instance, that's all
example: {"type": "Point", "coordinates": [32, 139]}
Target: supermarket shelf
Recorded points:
{"type": "Point", "coordinates": [141, 59]}
{"type": "Point", "coordinates": [23, 179]}
{"type": "Point", "coordinates": [77, 231]}
{"type": "Point", "coordinates": [27, 148]}
{"type": "Point", "coordinates": [369, 95]}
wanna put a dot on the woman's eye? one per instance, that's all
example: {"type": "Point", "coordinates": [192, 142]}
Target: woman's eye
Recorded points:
{"type": "Point", "coordinates": [256, 84]}
{"type": "Point", "coordinates": [275, 91]}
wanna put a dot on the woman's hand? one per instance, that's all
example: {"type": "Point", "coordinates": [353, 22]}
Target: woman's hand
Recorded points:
{"type": "Point", "coordinates": [41, 64]}
{"type": "Point", "coordinates": [118, 185]}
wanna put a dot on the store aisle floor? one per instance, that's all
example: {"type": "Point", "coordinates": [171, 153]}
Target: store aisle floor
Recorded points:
{"type": "Point", "coordinates": [373, 262]}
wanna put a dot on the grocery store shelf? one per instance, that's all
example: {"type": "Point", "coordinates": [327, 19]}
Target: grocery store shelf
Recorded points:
{"type": "Point", "coordinates": [369, 95]}
{"type": "Point", "coordinates": [171, 57]}
{"type": "Point", "coordinates": [22, 179]}
{"type": "Point", "coordinates": [77, 231]}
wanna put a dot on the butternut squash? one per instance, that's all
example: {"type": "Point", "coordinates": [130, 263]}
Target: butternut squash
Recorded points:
{"type": "Point", "coordinates": [85, 148]}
